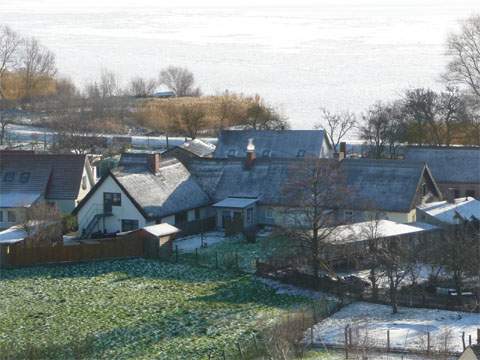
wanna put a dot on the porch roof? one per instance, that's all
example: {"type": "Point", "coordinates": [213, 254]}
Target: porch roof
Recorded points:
{"type": "Point", "coordinates": [235, 202]}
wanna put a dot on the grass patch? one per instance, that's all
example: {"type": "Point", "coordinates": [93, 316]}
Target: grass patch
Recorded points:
{"type": "Point", "coordinates": [140, 309]}
{"type": "Point", "coordinates": [236, 252]}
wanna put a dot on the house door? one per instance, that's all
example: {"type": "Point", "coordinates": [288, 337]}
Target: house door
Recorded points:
{"type": "Point", "coordinates": [107, 203]}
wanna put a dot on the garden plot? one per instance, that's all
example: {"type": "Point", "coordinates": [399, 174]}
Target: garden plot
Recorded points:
{"type": "Point", "coordinates": [408, 328]}
{"type": "Point", "coordinates": [132, 309]}
{"type": "Point", "coordinates": [190, 243]}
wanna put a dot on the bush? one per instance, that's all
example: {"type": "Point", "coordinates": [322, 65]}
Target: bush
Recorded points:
{"type": "Point", "coordinates": [69, 223]}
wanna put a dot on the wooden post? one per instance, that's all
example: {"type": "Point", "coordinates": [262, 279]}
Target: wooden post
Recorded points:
{"type": "Point", "coordinates": [255, 342]}
{"type": "Point", "coordinates": [428, 342]}
{"type": "Point", "coordinates": [196, 256]}
{"type": "Point", "coordinates": [470, 340]}
{"type": "Point", "coordinates": [463, 340]}
{"type": "Point", "coordinates": [346, 342]}
{"type": "Point", "coordinates": [311, 335]}
{"type": "Point", "coordinates": [478, 336]}
{"type": "Point", "coordinates": [388, 340]}
{"type": "Point", "coordinates": [176, 253]}
{"type": "Point", "coordinates": [350, 336]}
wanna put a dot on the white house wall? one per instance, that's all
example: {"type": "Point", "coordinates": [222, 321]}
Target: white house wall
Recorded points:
{"type": "Point", "coordinates": [113, 223]}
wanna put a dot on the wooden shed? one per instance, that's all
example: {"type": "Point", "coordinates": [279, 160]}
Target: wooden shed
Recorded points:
{"type": "Point", "coordinates": [157, 239]}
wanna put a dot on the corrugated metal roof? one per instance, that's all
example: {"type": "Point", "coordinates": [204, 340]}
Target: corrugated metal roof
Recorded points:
{"type": "Point", "coordinates": [234, 202]}
{"type": "Point", "coordinates": [271, 143]}
{"type": "Point", "coordinates": [449, 164]}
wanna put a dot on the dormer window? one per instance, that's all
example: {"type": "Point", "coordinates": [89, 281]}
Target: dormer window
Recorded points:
{"type": "Point", "coordinates": [24, 177]}
{"type": "Point", "coordinates": [9, 176]}
{"type": "Point", "coordinates": [301, 153]}
{"type": "Point", "coordinates": [231, 153]}
{"type": "Point", "coordinates": [266, 153]}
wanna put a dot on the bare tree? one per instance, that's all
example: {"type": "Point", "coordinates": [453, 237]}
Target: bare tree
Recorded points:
{"type": "Point", "coordinates": [464, 49]}
{"type": "Point", "coordinates": [109, 84]}
{"type": "Point", "coordinates": [382, 129]}
{"type": "Point", "coordinates": [315, 189]}
{"type": "Point", "coordinates": [337, 125]}
{"type": "Point", "coordinates": [180, 80]}
{"type": "Point", "coordinates": [37, 63]}
{"type": "Point", "coordinates": [141, 87]}
{"type": "Point", "coordinates": [10, 42]}
{"type": "Point", "coordinates": [43, 223]}
{"type": "Point", "coordinates": [261, 116]}
{"type": "Point", "coordinates": [6, 116]}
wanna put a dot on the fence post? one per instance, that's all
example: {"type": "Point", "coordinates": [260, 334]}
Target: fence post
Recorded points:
{"type": "Point", "coordinates": [196, 256]}
{"type": "Point", "coordinates": [176, 253]}
{"type": "Point", "coordinates": [388, 340]}
{"type": "Point", "coordinates": [350, 336]}
{"type": "Point", "coordinates": [428, 342]}
{"type": "Point", "coordinates": [470, 340]}
{"type": "Point", "coordinates": [463, 340]}
{"type": "Point", "coordinates": [478, 336]}
{"type": "Point", "coordinates": [346, 342]}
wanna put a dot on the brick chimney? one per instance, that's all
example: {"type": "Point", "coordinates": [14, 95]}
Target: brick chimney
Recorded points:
{"type": "Point", "coordinates": [154, 163]}
{"type": "Point", "coordinates": [250, 160]}
{"type": "Point", "coordinates": [451, 195]}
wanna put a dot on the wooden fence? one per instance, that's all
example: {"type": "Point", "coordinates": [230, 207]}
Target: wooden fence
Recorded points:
{"type": "Point", "coordinates": [103, 249]}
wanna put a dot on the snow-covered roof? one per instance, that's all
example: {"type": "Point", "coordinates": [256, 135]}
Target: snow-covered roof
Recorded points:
{"type": "Point", "coordinates": [363, 231]}
{"type": "Point", "coordinates": [163, 229]}
{"type": "Point", "coordinates": [18, 199]}
{"type": "Point", "coordinates": [236, 202]}
{"type": "Point", "coordinates": [12, 235]}
{"type": "Point", "coordinates": [466, 208]}
{"type": "Point", "coordinates": [199, 147]}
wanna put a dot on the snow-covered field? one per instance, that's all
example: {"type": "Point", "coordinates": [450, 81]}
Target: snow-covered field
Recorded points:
{"type": "Point", "coordinates": [408, 328]}
{"type": "Point", "coordinates": [190, 243]}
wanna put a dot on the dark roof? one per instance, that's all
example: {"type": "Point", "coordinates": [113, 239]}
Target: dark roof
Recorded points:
{"type": "Point", "coordinates": [449, 164]}
{"type": "Point", "coordinates": [275, 143]}
{"type": "Point", "coordinates": [169, 191]}
{"type": "Point", "coordinates": [387, 185]}
{"type": "Point", "coordinates": [222, 178]}
{"type": "Point", "coordinates": [54, 176]}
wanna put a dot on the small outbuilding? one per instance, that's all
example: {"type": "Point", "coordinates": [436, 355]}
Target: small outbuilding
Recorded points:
{"type": "Point", "coordinates": [157, 239]}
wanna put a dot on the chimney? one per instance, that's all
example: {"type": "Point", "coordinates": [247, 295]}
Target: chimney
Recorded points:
{"type": "Point", "coordinates": [250, 154]}
{"type": "Point", "coordinates": [451, 195]}
{"type": "Point", "coordinates": [343, 151]}
{"type": "Point", "coordinates": [154, 162]}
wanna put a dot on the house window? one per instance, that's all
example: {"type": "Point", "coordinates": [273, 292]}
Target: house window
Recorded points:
{"type": "Point", "coordinates": [250, 216]}
{"type": "Point", "coordinates": [11, 216]}
{"type": "Point", "coordinates": [424, 189]}
{"type": "Point", "coordinates": [181, 217]}
{"type": "Point", "coordinates": [129, 225]}
{"type": "Point", "coordinates": [114, 198]}
{"type": "Point", "coordinates": [266, 153]}
{"type": "Point", "coordinates": [470, 193]}
{"type": "Point", "coordinates": [456, 193]}
{"type": "Point", "coordinates": [231, 153]}
{"type": "Point", "coordinates": [9, 176]}
{"type": "Point", "coordinates": [24, 177]}
{"type": "Point", "coordinates": [301, 153]}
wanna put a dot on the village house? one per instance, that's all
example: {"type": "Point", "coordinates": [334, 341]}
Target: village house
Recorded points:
{"type": "Point", "coordinates": [456, 167]}
{"type": "Point", "coordinates": [27, 178]}
{"type": "Point", "coordinates": [390, 189]}
{"type": "Point", "coordinates": [293, 144]}
{"type": "Point", "coordinates": [144, 190]}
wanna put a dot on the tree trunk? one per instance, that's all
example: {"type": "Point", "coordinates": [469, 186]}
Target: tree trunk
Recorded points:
{"type": "Point", "coordinates": [373, 280]}
{"type": "Point", "coordinates": [393, 295]}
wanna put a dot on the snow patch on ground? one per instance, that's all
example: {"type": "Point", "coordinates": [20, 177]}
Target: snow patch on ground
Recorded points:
{"type": "Point", "coordinates": [408, 328]}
